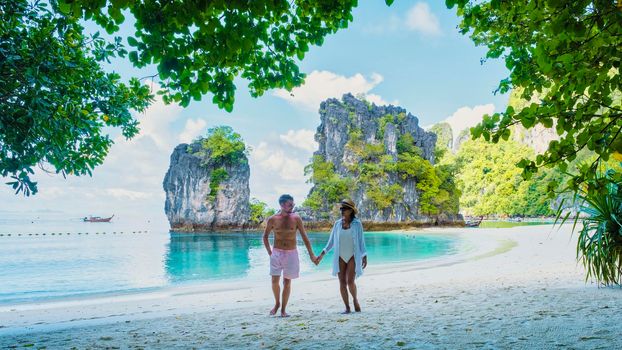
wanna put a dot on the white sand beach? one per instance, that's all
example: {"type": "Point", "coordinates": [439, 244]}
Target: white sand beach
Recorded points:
{"type": "Point", "coordinates": [517, 288]}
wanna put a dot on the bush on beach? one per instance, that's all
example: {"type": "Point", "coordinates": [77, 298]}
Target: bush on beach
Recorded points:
{"type": "Point", "coordinates": [599, 245]}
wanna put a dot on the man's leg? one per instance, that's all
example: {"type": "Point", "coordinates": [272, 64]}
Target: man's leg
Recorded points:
{"type": "Point", "coordinates": [276, 290]}
{"type": "Point", "coordinates": [343, 286]}
{"type": "Point", "coordinates": [350, 276]}
{"type": "Point", "coordinates": [287, 285]}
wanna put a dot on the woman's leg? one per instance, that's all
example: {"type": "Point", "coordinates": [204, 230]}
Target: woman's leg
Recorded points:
{"type": "Point", "coordinates": [350, 276]}
{"type": "Point", "coordinates": [343, 285]}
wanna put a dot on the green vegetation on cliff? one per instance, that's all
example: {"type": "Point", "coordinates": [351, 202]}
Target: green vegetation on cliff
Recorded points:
{"type": "Point", "coordinates": [564, 58]}
{"type": "Point", "coordinates": [330, 187]}
{"type": "Point", "coordinates": [491, 184]}
{"type": "Point", "coordinates": [490, 181]}
{"type": "Point", "coordinates": [220, 147]}
{"type": "Point", "coordinates": [382, 176]}
{"type": "Point", "coordinates": [259, 211]}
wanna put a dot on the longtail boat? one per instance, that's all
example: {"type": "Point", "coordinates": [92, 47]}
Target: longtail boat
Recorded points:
{"type": "Point", "coordinates": [473, 223]}
{"type": "Point", "coordinates": [97, 219]}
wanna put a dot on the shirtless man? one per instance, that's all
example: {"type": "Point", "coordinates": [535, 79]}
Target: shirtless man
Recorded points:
{"type": "Point", "coordinates": [284, 255]}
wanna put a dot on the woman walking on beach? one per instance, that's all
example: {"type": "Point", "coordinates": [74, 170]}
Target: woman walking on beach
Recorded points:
{"type": "Point", "coordinates": [350, 253]}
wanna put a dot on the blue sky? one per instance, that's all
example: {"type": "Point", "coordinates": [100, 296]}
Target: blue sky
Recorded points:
{"type": "Point", "coordinates": [409, 54]}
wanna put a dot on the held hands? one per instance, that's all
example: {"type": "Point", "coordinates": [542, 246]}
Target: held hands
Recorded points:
{"type": "Point", "coordinates": [317, 260]}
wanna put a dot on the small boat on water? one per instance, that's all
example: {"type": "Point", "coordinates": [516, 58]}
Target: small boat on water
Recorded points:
{"type": "Point", "coordinates": [473, 223]}
{"type": "Point", "coordinates": [97, 219]}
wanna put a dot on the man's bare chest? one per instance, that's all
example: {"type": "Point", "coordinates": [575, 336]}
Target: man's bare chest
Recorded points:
{"type": "Point", "coordinates": [285, 225]}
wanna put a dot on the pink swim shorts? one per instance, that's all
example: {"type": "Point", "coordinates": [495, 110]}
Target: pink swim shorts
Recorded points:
{"type": "Point", "coordinates": [286, 261]}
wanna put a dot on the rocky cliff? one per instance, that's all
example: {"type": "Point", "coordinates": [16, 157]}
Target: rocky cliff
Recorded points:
{"type": "Point", "coordinates": [360, 153]}
{"type": "Point", "coordinates": [538, 137]}
{"type": "Point", "coordinates": [193, 203]}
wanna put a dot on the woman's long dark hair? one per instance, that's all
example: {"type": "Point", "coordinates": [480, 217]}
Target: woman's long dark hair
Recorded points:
{"type": "Point", "coordinates": [352, 215]}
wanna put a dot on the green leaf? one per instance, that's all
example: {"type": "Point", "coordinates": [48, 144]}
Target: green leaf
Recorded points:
{"type": "Point", "coordinates": [64, 7]}
{"type": "Point", "coordinates": [133, 56]}
{"type": "Point", "coordinates": [132, 41]}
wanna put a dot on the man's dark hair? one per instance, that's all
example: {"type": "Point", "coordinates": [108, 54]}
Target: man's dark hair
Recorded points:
{"type": "Point", "coordinates": [284, 198]}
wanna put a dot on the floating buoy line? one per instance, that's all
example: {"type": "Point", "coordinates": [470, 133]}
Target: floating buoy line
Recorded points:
{"type": "Point", "coordinates": [71, 233]}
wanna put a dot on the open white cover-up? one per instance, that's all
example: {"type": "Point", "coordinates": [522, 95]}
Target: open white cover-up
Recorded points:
{"type": "Point", "coordinates": [359, 245]}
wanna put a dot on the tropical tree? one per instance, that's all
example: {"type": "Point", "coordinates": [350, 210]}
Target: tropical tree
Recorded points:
{"type": "Point", "coordinates": [55, 100]}
{"type": "Point", "coordinates": [201, 47]}
{"type": "Point", "coordinates": [565, 55]}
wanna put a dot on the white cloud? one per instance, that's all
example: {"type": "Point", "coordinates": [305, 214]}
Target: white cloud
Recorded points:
{"type": "Point", "coordinates": [276, 162]}
{"type": "Point", "coordinates": [466, 117]}
{"type": "Point", "coordinates": [122, 193]}
{"type": "Point", "coordinates": [143, 160]}
{"type": "Point", "coordinates": [193, 128]}
{"type": "Point", "coordinates": [155, 123]}
{"type": "Point", "coordinates": [321, 85]}
{"type": "Point", "coordinates": [419, 18]}
{"type": "Point", "coordinates": [303, 139]}
{"type": "Point", "coordinates": [373, 98]}
{"type": "Point", "coordinates": [277, 166]}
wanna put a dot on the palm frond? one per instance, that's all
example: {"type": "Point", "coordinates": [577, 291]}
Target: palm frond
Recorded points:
{"type": "Point", "coordinates": [599, 245]}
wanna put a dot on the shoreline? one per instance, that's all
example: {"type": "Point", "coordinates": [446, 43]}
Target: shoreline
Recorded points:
{"type": "Point", "coordinates": [325, 227]}
{"type": "Point", "coordinates": [368, 226]}
{"type": "Point", "coordinates": [524, 290]}
{"type": "Point", "coordinates": [469, 250]}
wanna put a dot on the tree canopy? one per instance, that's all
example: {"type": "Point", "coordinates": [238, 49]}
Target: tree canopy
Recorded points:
{"type": "Point", "coordinates": [565, 57]}
{"type": "Point", "coordinates": [55, 99]}
{"type": "Point", "coordinates": [200, 47]}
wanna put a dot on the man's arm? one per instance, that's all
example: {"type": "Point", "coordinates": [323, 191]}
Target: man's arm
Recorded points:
{"type": "Point", "coordinates": [266, 234]}
{"type": "Point", "coordinates": [305, 239]}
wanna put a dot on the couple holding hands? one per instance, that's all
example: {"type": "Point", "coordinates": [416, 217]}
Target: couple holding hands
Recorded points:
{"type": "Point", "coordinates": [346, 238]}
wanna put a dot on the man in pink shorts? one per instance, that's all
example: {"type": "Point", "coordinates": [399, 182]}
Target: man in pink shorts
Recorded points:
{"type": "Point", "coordinates": [284, 255]}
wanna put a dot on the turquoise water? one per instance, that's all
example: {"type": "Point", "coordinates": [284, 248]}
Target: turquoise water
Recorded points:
{"type": "Point", "coordinates": [84, 259]}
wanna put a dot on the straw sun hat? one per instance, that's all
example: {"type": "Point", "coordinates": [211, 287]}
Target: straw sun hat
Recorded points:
{"type": "Point", "coordinates": [350, 204]}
